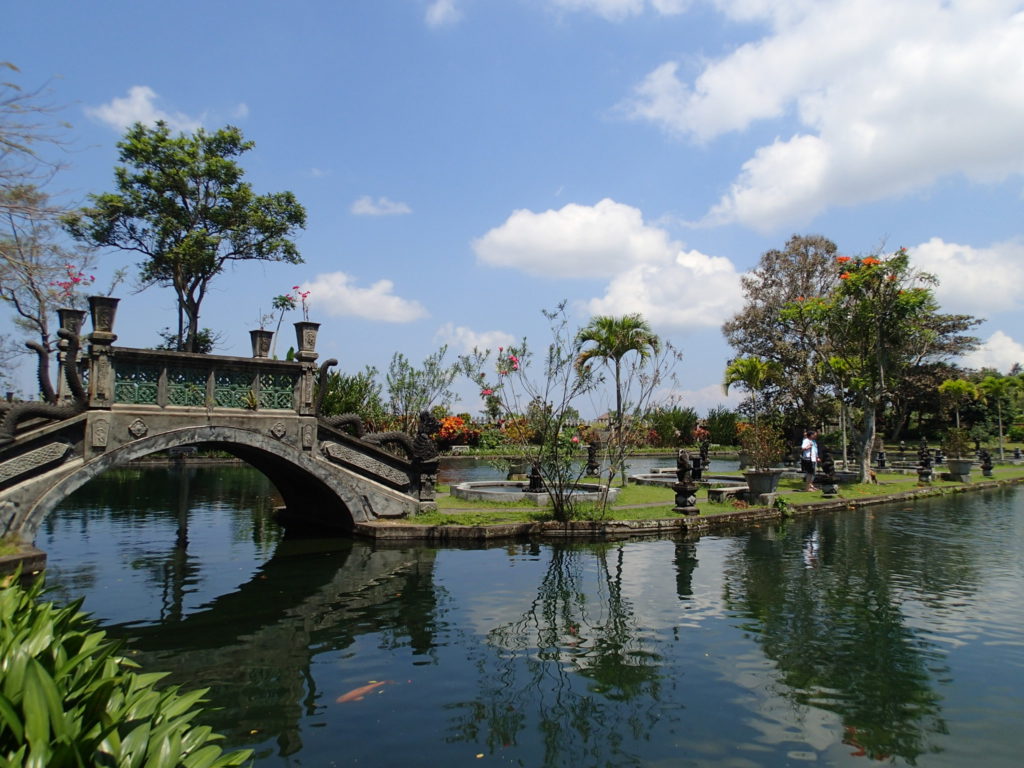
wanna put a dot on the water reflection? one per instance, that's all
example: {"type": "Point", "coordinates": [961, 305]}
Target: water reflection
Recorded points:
{"type": "Point", "coordinates": [824, 603]}
{"type": "Point", "coordinates": [575, 667]}
{"type": "Point", "coordinates": [884, 634]}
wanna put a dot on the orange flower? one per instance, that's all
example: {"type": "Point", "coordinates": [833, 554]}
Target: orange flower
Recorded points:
{"type": "Point", "coordinates": [842, 259]}
{"type": "Point", "coordinates": [799, 298]}
{"type": "Point", "coordinates": [870, 261]}
{"type": "Point", "coordinates": [844, 276]}
{"type": "Point", "coordinates": [891, 278]}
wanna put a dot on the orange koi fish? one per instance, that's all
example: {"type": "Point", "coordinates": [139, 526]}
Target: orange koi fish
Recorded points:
{"type": "Point", "coordinates": [358, 694]}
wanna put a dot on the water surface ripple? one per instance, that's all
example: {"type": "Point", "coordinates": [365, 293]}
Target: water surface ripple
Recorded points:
{"type": "Point", "coordinates": [892, 634]}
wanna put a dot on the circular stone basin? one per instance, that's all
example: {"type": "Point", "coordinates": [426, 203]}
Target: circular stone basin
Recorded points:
{"type": "Point", "coordinates": [515, 490]}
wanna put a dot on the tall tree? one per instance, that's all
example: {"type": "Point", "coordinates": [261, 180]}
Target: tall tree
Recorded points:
{"type": "Point", "coordinates": [25, 129]}
{"type": "Point", "coordinates": [956, 393]}
{"type": "Point", "coordinates": [880, 320]}
{"type": "Point", "coordinates": [610, 339]}
{"type": "Point", "coordinates": [38, 273]}
{"type": "Point", "coordinates": [804, 270]}
{"type": "Point", "coordinates": [1000, 389]}
{"type": "Point", "coordinates": [182, 204]}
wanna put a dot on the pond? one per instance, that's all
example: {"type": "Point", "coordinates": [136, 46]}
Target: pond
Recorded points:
{"type": "Point", "coordinates": [472, 468]}
{"type": "Point", "coordinates": [894, 634]}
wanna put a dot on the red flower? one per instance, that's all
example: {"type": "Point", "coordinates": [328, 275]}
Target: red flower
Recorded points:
{"type": "Point", "coordinates": [842, 259]}
{"type": "Point", "coordinates": [486, 392]}
{"type": "Point", "coordinates": [844, 276]}
{"type": "Point", "coordinates": [799, 298]}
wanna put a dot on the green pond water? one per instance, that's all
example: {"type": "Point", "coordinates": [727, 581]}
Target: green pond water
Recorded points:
{"type": "Point", "coordinates": [894, 634]}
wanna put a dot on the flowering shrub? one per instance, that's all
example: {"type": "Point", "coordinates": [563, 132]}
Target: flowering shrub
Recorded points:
{"type": "Point", "coordinates": [455, 431]}
{"type": "Point", "coordinates": [67, 289]}
{"type": "Point", "coordinates": [302, 296]}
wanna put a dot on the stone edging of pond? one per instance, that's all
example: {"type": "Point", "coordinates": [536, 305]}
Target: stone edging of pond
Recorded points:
{"type": "Point", "coordinates": [700, 525]}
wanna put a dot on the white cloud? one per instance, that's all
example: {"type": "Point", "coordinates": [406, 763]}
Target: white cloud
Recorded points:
{"type": "Point", "coordinates": [463, 339]}
{"type": "Point", "coordinates": [1000, 352]}
{"type": "Point", "coordinates": [338, 295]}
{"type": "Point", "coordinates": [975, 281]}
{"type": "Point", "coordinates": [443, 12]}
{"type": "Point", "coordinates": [692, 290]}
{"type": "Point", "coordinates": [595, 241]}
{"type": "Point", "coordinates": [139, 107]}
{"type": "Point", "coordinates": [889, 97]}
{"type": "Point", "coordinates": [367, 206]}
{"type": "Point", "coordinates": [647, 271]}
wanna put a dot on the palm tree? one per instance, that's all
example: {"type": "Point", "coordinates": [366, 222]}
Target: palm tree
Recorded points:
{"type": "Point", "coordinates": [957, 392]}
{"type": "Point", "coordinates": [999, 388]}
{"type": "Point", "coordinates": [612, 338]}
{"type": "Point", "coordinates": [753, 374]}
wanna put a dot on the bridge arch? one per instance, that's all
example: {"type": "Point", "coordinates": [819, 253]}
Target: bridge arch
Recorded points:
{"type": "Point", "coordinates": [322, 494]}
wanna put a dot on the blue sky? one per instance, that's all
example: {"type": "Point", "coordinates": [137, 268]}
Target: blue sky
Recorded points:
{"type": "Point", "coordinates": [468, 163]}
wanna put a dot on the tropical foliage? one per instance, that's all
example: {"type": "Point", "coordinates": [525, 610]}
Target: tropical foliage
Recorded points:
{"type": "Point", "coordinates": [68, 699]}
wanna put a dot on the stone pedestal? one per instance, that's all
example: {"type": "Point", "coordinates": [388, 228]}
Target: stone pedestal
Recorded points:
{"type": "Point", "coordinates": [686, 498]}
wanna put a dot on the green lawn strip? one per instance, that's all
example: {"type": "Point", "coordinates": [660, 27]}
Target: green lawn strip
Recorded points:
{"type": "Point", "coordinates": [651, 502]}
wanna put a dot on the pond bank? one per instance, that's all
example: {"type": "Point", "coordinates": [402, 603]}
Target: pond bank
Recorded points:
{"type": "Point", "coordinates": [697, 524]}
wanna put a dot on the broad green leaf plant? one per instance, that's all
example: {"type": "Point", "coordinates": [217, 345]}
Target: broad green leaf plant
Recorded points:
{"type": "Point", "coordinates": [68, 699]}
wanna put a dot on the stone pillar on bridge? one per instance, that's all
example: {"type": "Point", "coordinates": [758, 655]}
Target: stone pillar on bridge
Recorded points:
{"type": "Point", "coordinates": [305, 337]}
{"type": "Point", "coordinates": [101, 372]}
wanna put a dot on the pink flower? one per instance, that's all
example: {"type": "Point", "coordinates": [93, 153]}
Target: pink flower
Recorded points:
{"type": "Point", "coordinates": [486, 392]}
{"type": "Point", "coordinates": [575, 439]}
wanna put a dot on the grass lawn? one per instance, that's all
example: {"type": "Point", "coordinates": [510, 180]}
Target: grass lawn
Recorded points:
{"type": "Point", "coordinates": [649, 502]}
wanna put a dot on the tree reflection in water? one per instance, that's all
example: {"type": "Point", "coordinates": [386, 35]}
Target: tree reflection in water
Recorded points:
{"type": "Point", "coordinates": [575, 665]}
{"type": "Point", "coordinates": [830, 617]}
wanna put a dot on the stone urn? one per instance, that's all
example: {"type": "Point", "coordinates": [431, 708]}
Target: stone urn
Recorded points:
{"type": "Point", "coordinates": [959, 469]}
{"type": "Point", "coordinates": [305, 335]}
{"type": "Point", "coordinates": [102, 310]}
{"type": "Point", "coordinates": [71, 319]}
{"type": "Point", "coordinates": [761, 481]}
{"type": "Point", "coordinates": [261, 339]}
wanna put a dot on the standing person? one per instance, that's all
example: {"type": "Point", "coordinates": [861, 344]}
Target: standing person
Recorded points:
{"type": "Point", "coordinates": [809, 458]}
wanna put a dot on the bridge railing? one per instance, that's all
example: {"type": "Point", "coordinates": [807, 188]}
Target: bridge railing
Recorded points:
{"type": "Point", "coordinates": [127, 376]}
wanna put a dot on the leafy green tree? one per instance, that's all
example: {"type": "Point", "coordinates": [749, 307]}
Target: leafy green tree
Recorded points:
{"type": "Point", "coordinates": [721, 425]}
{"type": "Point", "coordinates": [609, 339]}
{"type": "Point", "coordinates": [358, 393]}
{"type": "Point", "coordinates": [880, 320]}
{"type": "Point", "coordinates": [412, 390]}
{"type": "Point", "coordinates": [1000, 390]}
{"type": "Point", "coordinates": [803, 270]}
{"type": "Point", "coordinates": [181, 203]}
{"type": "Point", "coordinates": [753, 374]}
{"type": "Point", "coordinates": [956, 393]}
{"type": "Point", "coordinates": [674, 425]}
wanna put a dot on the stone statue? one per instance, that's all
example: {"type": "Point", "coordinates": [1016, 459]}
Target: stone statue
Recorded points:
{"type": "Point", "coordinates": [683, 467]}
{"type": "Point", "coordinates": [49, 410]}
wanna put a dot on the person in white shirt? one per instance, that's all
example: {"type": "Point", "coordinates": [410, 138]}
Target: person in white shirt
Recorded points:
{"type": "Point", "coordinates": [809, 458]}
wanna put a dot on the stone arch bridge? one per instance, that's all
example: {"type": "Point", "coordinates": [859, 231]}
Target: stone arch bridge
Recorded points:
{"type": "Point", "coordinates": [130, 403]}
